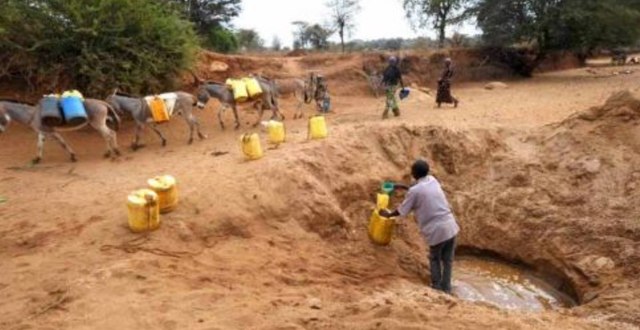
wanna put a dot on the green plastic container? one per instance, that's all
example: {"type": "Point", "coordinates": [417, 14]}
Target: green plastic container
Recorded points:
{"type": "Point", "coordinates": [388, 187]}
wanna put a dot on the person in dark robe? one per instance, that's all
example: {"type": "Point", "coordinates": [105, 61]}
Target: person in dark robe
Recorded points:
{"type": "Point", "coordinates": [444, 86]}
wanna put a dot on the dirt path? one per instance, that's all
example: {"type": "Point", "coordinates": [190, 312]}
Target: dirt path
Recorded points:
{"type": "Point", "coordinates": [280, 243]}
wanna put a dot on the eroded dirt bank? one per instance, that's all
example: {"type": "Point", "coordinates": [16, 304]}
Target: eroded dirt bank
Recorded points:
{"type": "Point", "coordinates": [281, 243]}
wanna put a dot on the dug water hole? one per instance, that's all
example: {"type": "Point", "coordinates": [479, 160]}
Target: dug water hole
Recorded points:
{"type": "Point", "coordinates": [507, 286]}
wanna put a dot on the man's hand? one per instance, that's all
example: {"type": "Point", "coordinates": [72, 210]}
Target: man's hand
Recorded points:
{"type": "Point", "coordinates": [385, 213]}
{"type": "Point", "coordinates": [400, 186]}
{"type": "Point", "coordinates": [388, 214]}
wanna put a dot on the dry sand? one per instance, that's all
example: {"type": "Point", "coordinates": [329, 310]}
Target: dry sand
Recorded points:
{"type": "Point", "coordinates": [281, 243]}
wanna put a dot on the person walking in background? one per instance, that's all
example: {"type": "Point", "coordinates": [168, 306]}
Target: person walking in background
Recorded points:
{"type": "Point", "coordinates": [444, 86]}
{"type": "Point", "coordinates": [321, 95]}
{"type": "Point", "coordinates": [392, 81]}
{"type": "Point", "coordinates": [437, 224]}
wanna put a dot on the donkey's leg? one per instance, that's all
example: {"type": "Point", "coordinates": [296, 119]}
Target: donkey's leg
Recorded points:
{"type": "Point", "coordinates": [136, 142]}
{"type": "Point", "coordinates": [260, 115]}
{"type": "Point", "coordinates": [276, 112]}
{"type": "Point", "coordinates": [276, 109]}
{"type": "Point", "coordinates": [300, 98]}
{"type": "Point", "coordinates": [38, 158]}
{"type": "Point", "coordinates": [67, 148]}
{"type": "Point", "coordinates": [235, 115]}
{"type": "Point", "coordinates": [114, 143]}
{"type": "Point", "coordinates": [188, 118]}
{"type": "Point", "coordinates": [160, 135]}
{"type": "Point", "coordinates": [220, 112]}
{"type": "Point", "coordinates": [201, 135]}
{"type": "Point", "coordinates": [109, 137]}
{"type": "Point", "coordinates": [194, 123]}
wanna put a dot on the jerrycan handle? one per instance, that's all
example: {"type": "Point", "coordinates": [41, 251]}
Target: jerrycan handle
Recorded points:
{"type": "Point", "coordinates": [151, 202]}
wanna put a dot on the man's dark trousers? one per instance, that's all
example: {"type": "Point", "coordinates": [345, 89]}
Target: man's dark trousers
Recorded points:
{"type": "Point", "coordinates": [441, 261]}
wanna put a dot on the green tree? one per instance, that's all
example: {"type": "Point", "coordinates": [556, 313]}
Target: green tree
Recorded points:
{"type": "Point", "coordinates": [138, 45]}
{"type": "Point", "coordinates": [437, 13]}
{"type": "Point", "coordinates": [249, 40]}
{"type": "Point", "coordinates": [208, 14]}
{"type": "Point", "coordinates": [591, 24]}
{"type": "Point", "coordinates": [222, 40]}
{"type": "Point", "coordinates": [545, 25]}
{"type": "Point", "coordinates": [300, 35]}
{"type": "Point", "coordinates": [318, 36]}
{"type": "Point", "coordinates": [313, 36]}
{"type": "Point", "coordinates": [343, 14]}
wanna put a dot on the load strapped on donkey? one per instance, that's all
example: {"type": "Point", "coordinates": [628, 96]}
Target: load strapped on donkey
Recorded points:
{"type": "Point", "coordinates": [64, 111]}
{"type": "Point", "coordinates": [245, 89]}
{"type": "Point", "coordinates": [162, 106]}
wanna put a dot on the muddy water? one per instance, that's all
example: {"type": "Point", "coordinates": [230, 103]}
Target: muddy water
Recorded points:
{"type": "Point", "coordinates": [505, 285]}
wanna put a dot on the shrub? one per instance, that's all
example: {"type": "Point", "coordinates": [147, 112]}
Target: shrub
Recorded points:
{"type": "Point", "coordinates": [138, 45]}
{"type": "Point", "coordinates": [222, 40]}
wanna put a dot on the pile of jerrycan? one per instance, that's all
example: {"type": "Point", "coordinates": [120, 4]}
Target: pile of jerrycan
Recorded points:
{"type": "Point", "coordinates": [381, 229]}
{"type": "Point", "coordinates": [277, 134]}
{"type": "Point", "coordinates": [146, 205]}
{"type": "Point", "coordinates": [245, 89]}
{"type": "Point", "coordinates": [66, 110]}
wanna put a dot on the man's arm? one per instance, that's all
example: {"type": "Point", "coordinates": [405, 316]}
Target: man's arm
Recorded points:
{"type": "Point", "coordinates": [389, 214]}
{"type": "Point", "coordinates": [407, 206]}
{"type": "Point", "coordinates": [400, 186]}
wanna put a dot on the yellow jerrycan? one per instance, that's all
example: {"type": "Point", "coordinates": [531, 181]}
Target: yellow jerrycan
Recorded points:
{"type": "Point", "coordinates": [251, 146]}
{"type": "Point", "coordinates": [239, 89]}
{"type": "Point", "coordinates": [73, 93]}
{"type": "Point", "coordinates": [144, 211]}
{"type": "Point", "coordinates": [166, 188]}
{"type": "Point", "coordinates": [277, 132]}
{"type": "Point", "coordinates": [318, 128]}
{"type": "Point", "coordinates": [383, 201]}
{"type": "Point", "coordinates": [159, 110]}
{"type": "Point", "coordinates": [253, 87]}
{"type": "Point", "coordinates": [381, 229]}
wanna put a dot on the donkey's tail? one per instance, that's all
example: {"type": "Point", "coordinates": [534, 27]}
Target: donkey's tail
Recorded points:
{"type": "Point", "coordinates": [114, 117]}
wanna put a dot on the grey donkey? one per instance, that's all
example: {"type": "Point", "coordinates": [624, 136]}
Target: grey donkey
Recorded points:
{"type": "Point", "coordinates": [139, 110]}
{"type": "Point", "coordinates": [221, 92]}
{"type": "Point", "coordinates": [98, 112]}
{"type": "Point", "coordinates": [301, 90]}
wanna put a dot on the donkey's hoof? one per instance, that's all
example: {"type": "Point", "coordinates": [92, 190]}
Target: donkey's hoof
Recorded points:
{"type": "Point", "coordinates": [36, 161]}
{"type": "Point", "coordinates": [117, 152]}
{"type": "Point", "coordinates": [107, 154]}
{"type": "Point", "coordinates": [73, 159]}
{"type": "Point", "coordinates": [164, 143]}
{"type": "Point", "coordinates": [190, 142]}
{"type": "Point", "coordinates": [136, 147]}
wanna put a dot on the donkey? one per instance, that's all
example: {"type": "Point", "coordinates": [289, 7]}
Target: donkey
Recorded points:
{"type": "Point", "coordinates": [224, 94]}
{"type": "Point", "coordinates": [99, 113]}
{"type": "Point", "coordinates": [300, 89]}
{"type": "Point", "coordinates": [139, 110]}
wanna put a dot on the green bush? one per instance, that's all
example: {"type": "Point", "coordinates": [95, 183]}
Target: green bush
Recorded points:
{"type": "Point", "coordinates": [221, 40]}
{"type": "Point", "coordinates": [138, 45]}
